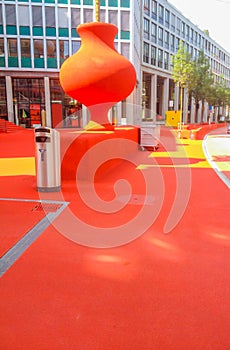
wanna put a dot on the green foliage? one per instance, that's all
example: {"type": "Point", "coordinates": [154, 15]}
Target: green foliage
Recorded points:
{"type": "Point", "coordinates": [201, 78]}
{"type": "Point", "coordinates": [182, 67]}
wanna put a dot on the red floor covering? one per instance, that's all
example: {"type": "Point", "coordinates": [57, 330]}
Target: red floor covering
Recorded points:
{"type": "Point", "coordinates": [159, 292]}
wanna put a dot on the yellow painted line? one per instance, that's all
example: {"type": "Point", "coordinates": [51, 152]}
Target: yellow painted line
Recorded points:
{"type": "Point", "coordinates": [17, 166]}
{"type": "Point", "coordinates": [200, 164]}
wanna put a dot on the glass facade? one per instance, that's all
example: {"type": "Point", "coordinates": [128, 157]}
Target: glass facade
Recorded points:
{"type": "Point", "coordinates": [36, 37]}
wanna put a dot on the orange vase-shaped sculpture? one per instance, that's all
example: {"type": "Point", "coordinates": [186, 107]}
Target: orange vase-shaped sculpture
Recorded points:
{"type": "Point", "coordinates": [97, 75]}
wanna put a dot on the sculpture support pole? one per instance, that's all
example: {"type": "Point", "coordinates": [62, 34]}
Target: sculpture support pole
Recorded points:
{"type": "Point", "coordinates": [97, 10]}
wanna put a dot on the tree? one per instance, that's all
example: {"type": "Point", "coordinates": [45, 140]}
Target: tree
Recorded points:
{"type": "Point", "coordinates": [201, 80]}
{"type": "Point", "coordinates": [181, 71]}
{"type": "Point", "coordinates": [220, 94]}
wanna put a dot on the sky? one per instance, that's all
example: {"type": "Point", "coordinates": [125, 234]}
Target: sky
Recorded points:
{"type": "Point", "coordinates": [213, 15]}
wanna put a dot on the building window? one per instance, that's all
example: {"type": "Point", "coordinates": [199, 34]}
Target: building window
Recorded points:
{"type": "Point", "coordinates": [88, 15]}
{"type": "Point", "coordinates": [64, 50]}
{"type": "Point", "coordinates": [154, 32]}
{"type": "Point", "coordinates": [125, 50]}
{"type": "Point", "coordinates": [173, 21]}
{"type": "Point", "coordinates": [146, 6]}
{"type": "Point", "coordinates": [153, 55]}
{"type": "Point", "coordinates": [172, 42]}
{"type": "Point", "coordinates": [166, 60]}
{"type": "Point", "coordinates": [177, 43]}
{"type": "Point", "coordinates": [38, 48]}
{"type": "Point", "coordinates": [160, 36]}
{"type": "Point", "coordinates": [10, 14]}
{"type": "Point", "coordinates": [146, 53]}
{"type": "Point", "coordinates": [37, 16]}
{"type": "Point", "coordinates": [146, 28]}
{"type": "Point", "coordinates": [50, 21]}
{"type": "Point", "coordinates": [161, 14]}
{"type": "Point", "coordinates": [25, 48]}
{"type": "Point", "coordinates": [3, 103]}
{"type": "Point", "coordinates": [23, 16]}
{"type": "Point", "coordinates": [154, 9]}
{"type": "Point", "coordinates": [38, 54]}
{"type": "Point", "coordinates": [167, 15]}
{"type": "Point", "coordinates": [75, 46]}
{"type": "Point", "coordinates": [183, 29]}
{"type": "Point", "coordinates": [166, 40]}
{"type": "Point", "coordinates": [2, 55]}
{"type": "Point", "coordinates": [178, 26]}
{"type": "Point", "coordinates": [125, 21]}
{"type": "Point", "coordinates": [113, 17]}
{"type": "Point", "coordinates": [62, 17]}
{"type": "Point", "coordinates": [160, 58]}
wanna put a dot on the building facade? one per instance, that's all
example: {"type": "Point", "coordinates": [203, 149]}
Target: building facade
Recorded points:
{"type": "Point", "coordinates": [36, 36]}
{"type": "Point", "coordinates": [164, 27]}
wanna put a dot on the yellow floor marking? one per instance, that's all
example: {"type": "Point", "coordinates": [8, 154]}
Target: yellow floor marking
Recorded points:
{"type": "Point", "coordinates": [17, 166]}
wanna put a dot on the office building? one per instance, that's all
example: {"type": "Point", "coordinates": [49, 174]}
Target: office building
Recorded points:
{"type": "Point", "coordinates": [36, 36]}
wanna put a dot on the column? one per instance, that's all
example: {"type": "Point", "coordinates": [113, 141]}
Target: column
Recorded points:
{"type": "Point", "coordinates": [47, 102]}
{"type": "Point", "coordinates": [165, 96]}
{"type": "Point", "coordinates": [9, 98]}
{"type": "Point", "coordinates": [185, 107]}
{"type": "Point", "coordinates": [154, 96]}
{"type": "Point", "coordinates": [176, 98]}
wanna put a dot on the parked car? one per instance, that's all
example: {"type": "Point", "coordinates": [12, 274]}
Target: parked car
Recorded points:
{"type": "Point", "coordinates": [228, 129]}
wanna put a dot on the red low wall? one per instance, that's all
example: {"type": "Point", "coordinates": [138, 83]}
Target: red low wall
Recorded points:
{"type": "Point", "coordinates": [94, 146]}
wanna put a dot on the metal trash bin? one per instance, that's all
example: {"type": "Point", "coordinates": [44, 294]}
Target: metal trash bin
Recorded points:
{"type": "Point", "coordinates": [48, 170]}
